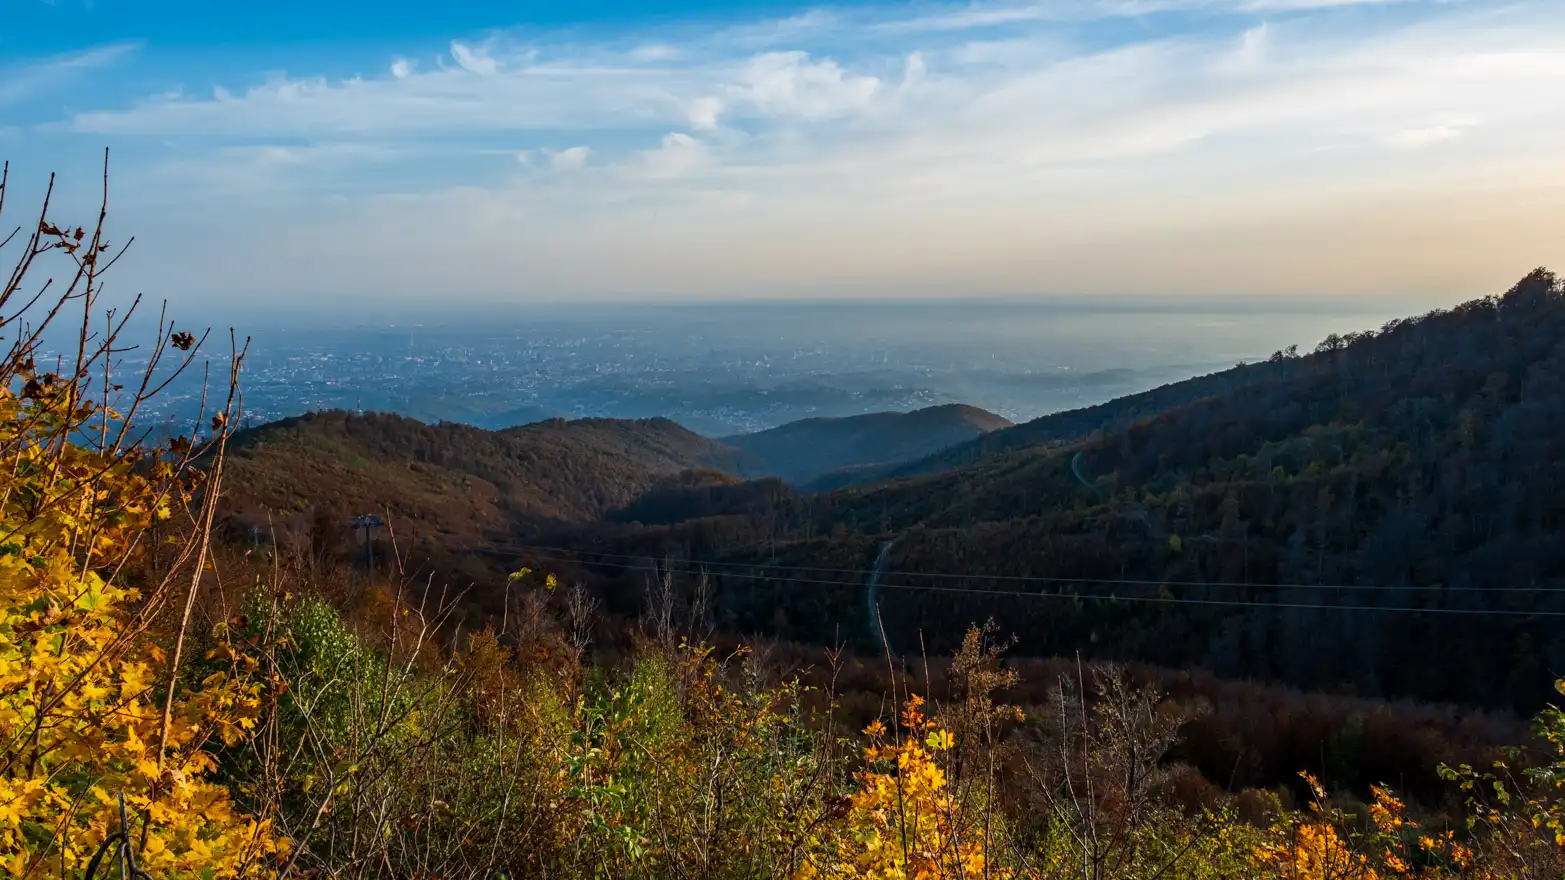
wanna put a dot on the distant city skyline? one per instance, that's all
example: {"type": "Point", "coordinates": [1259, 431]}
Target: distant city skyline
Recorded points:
{"type": "Point", "coordinates": [345, 156]}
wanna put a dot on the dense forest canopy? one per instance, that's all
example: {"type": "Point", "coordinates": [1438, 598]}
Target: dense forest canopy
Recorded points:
{"type": "Point", "coordinates": [450, 488]}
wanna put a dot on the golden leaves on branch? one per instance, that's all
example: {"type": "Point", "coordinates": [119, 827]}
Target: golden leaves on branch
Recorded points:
{"type": "Point", "coordinates": [83, 667]}
{"type": "Point", "coordinates": [80, 714]}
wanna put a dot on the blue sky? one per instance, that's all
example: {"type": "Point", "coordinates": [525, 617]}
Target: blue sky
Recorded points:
{"type": "Point", "coordinates": [429, 153]}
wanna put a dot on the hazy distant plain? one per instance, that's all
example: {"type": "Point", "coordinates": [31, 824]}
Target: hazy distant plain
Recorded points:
{"type": "Point", "coordinates": [735, 367]}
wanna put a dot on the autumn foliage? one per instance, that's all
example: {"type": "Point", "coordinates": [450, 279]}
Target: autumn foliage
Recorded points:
{"type": "Point", "coordinates": [297, 720]}
{"type": "Point", "coordinates": [100, 546]}
{"type": "Point", "coordinates": [904, 819]}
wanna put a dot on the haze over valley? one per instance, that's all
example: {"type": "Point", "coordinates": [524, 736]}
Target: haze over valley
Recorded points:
{"type": "Point", "coordinates": [723, 369]}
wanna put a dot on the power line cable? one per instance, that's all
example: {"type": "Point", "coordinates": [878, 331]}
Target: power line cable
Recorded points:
{"type": "Point", "coordinates": [1165, 600]}
{"type": "Point", "coordinates": [1125, 582]}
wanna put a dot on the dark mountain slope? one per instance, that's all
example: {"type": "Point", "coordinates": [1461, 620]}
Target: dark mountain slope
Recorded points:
{"type": "Point", "coordinates": [804, 450]}
{"type": "Point", "coordinates": [1421, 466]}
{"type": "Point", "coordinates": [1061, 426]}
{"type": "Point", "coordinates": [1072, 425]}
{"type": "Point", "coordinates": [1456, 388]}
{"type": "Point", "coordinates": [462, 485]}
{"type": "Point", "coordinates": [704, 494]}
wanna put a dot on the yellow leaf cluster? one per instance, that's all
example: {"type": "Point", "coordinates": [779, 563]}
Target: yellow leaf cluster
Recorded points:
{"type": "Point", "coordinates": [1314, 851]}
{"type": "Point", "coordinates": [903, 821]}
{"type": "Point", "coordinates": [82, 679]}
{"type": "Point", "coordinates": [1394, 846]}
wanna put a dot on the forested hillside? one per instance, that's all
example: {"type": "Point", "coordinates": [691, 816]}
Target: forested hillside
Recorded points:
{"type": "Point", "coordinates": [1378, 515]}
{"type": "Point", "coordinates": [1063, 427]}
{"type": "Point", "coordinates": [1420, 466]}
{"type": "Point", "coordinates": [453, 487]}
{"type": "Point", "coordinates": [805, 450]}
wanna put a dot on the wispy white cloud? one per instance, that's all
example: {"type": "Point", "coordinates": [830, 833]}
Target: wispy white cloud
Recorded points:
{"type": "Point", "coordinates": [704, 111]}
{"type": "Point", "coordinates": [570, 158]}
{"type": "Point", "coordinates": [677, 155]}
{"type": "Point", "coordinates": [25, 80]}
{"type": "Point", "coordinates": [474, 59]}
{"type": "Point", "coordinates": [791, 84]}
{"type": "Point", "coordinates": [484, 90]}
{"type": "Point", "coordinates": [996, 15]}
{"type": "Point", "coordinates": [474, 94]}
{"type": "Point", "coordinates": [1416, 138]}
{"type": "Point", "coordinates": [1306, 5]}
{"type": "Point", "coordinates": [1252, 46]}
{"type": "Point", "coordinates": [992, 146]}
{"type": "Point", "coordinates": [654, 52]}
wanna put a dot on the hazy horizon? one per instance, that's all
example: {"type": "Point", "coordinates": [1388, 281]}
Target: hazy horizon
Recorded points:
{"type": "Point", "coordinates": [743, 366]}
{"type": "Point", "coordinates": [1349, 311]}
{"type": "Point", "coordinates": [375, 156]}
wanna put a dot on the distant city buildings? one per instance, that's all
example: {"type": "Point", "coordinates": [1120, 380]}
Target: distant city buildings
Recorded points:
{"type": "Point", "coordinates": [715, 378]}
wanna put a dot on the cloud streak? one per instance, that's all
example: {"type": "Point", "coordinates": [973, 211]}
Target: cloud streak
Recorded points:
{"type": "Point", "coordinates": [993, 147]}
{"type": "Point", "coordinates": [28, 80]}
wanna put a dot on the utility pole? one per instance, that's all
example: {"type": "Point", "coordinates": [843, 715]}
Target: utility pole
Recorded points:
{"type": "Point", "coordinates": [369, 522]}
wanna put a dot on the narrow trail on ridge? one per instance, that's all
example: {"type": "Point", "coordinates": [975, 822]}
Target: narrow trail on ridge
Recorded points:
{"type": "Point", "coordinates": [1138, 511]}
{"type": "Point", "coordinates": [872, 596]}
{"type": "Point", "coordinates": [1076, 472]}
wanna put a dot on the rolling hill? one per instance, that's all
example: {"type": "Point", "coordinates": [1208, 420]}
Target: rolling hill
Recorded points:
{"type": "Point", "coordinates": [808, 449]}
{"type": "Point", "coordinates": [453, 485]}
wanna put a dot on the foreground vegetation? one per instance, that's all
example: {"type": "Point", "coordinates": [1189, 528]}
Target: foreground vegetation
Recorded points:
{"type": "Point", "coordinates": [204, 715]}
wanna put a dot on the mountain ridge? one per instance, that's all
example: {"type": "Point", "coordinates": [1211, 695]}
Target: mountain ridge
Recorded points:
{"type": "Point", "coordinates": [807, 449]}
{"type": "Point", "coordinates": [452, 486]}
